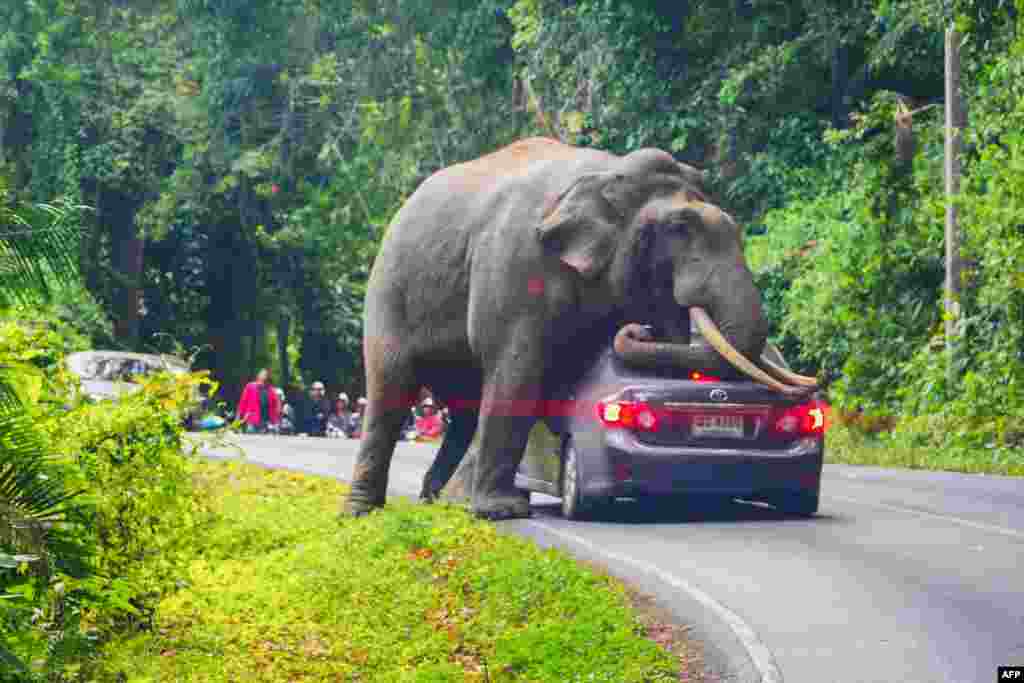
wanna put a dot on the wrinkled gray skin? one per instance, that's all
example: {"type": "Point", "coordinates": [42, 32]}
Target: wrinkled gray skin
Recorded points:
{"type": "Point", "coordinates": [500, 278]}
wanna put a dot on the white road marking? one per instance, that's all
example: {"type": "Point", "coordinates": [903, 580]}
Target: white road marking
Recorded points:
{"type": "Point", "coordinates": [980, 526]}
{"type": "Point", "coordinates": [759, 653]}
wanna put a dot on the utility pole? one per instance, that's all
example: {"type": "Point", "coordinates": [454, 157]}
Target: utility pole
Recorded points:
{"type": "Point", "coordinates": [955, 123]}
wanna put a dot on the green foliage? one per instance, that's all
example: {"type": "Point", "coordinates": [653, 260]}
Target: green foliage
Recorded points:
{"type": "Point", "coordinates": [32, 500]}
{"type": "Point", "coordinates": [866, 303]}
{"type": "Point", "coordinates": [37, 246]}
{"type": "Point", "coordinates": [262, 173]}
{"type": "Point", "coordinates": [99, 567]}
{"type": "Point", "coordinates": [795, 163]}
{"type": "Point", "coordinates": [420, 593]}
{"type": "Point", "coordinates": [986, 407]}
{"type": "Point", "coordinates": [921, 444]}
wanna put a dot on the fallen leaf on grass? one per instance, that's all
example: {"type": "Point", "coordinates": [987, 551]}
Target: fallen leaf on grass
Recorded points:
{"type": "Point", "coordinates": [420, 554]}
{"type": "Point", "coordinates": [469, 662]}
{"type": "Point", "coordinates": [314, 648]}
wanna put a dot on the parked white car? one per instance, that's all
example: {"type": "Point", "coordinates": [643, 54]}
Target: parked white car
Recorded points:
{"type": "Point", "coordinates": [106, 375]}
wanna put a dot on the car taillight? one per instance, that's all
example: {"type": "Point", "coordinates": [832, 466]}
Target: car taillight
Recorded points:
{"type": "Point", "coordinates": [633, 415]}
{"type": "Point", "coordinates": [806, 419]}
{"type": "Point", "coordinates": [702, 378]}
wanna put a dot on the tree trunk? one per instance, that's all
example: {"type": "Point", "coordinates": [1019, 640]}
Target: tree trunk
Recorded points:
{"type": "Point", "coordinates": [840, 81]}
{"type": "Point", "coordinates": [16, 134]}
{"type": "Point", "coordinates": [284, 328]}
{"type": "Point", "coordinates": [258, 352]}
{"type": "Point", "coordinates": [231, 287]}
{"type": "Point", "coordinates": [128, 252]}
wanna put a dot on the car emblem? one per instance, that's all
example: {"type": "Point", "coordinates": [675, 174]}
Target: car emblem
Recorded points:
{"type": "Point", "coordinates": [718, 395]}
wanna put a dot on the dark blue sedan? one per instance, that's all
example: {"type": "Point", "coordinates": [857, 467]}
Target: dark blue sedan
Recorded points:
{"type": "Point", "coordinates": [624, 432]}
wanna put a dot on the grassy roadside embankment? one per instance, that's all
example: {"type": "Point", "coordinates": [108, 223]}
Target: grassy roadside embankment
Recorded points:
{"type": "Point", "coordinates": [281, 591]}
{"type": "Point", "coordinates": [850, 446]}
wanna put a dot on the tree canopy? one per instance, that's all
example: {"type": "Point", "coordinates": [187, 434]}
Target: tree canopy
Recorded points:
{"type": "Point", "coordinates": [243, 159]}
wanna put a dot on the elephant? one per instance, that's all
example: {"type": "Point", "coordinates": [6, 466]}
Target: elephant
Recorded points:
{"type": "Point", "coordinates": [500, 277]}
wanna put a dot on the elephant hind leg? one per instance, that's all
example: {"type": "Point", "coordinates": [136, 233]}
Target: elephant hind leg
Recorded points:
{"type": "Point", "coordinates": [456, 443]}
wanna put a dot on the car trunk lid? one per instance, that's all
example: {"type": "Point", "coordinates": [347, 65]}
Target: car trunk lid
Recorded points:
{"type": "Point", "coordinates": [711, 414]}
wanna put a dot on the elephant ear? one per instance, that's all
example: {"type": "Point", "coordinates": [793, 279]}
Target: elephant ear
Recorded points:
{"type": "Point", "coordinates": [584, 223]}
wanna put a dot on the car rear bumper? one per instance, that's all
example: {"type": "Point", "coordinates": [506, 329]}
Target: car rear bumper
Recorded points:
{"type": "Point", "coordinates": [628, 468]}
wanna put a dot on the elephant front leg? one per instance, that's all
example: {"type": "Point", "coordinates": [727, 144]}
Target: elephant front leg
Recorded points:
{"type": "Point", "coordinates": [385, 417]}
{"type": "Point", "coordinates": [510, 407]}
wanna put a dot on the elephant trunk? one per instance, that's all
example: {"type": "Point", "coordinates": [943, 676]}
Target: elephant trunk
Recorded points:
{"type": "Point", "coordinates": [742, 335]}
{"type": "Point", "coordinates": [635, 345]}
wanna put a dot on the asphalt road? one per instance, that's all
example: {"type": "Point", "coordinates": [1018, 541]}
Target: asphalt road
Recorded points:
{"type": "Point", "coordinates": [903, 577]}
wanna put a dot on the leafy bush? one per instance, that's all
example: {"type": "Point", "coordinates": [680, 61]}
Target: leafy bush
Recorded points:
{"type": "Point", "coordinates": [127, 539]}
{"type": "Point", "coordinates": [985, 408]}
{"type": "Point", "coordinates": [853, 279]}
{"type": "Point", "coordinates": [793, 153]}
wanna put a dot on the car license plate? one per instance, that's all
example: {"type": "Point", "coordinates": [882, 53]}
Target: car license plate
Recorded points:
{"type": "Point", "coordinates": [718, 426]}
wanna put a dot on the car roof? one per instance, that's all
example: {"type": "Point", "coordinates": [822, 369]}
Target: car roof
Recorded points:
{"type": "Point", "coordinates": [79, 361]}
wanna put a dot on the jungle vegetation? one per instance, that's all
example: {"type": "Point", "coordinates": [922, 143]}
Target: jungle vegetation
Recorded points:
{"type": "Point", "coordinates": [241, 160]}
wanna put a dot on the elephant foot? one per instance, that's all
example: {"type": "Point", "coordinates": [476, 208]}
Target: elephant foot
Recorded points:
{"type": "Point", "coordinates": [494, 508]}
{"type": "Point", "coordinates": [356, 507]}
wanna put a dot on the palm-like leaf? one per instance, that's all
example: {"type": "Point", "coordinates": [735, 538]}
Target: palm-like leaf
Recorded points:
{"type": "Point", "coordinates": [28, 496]}
{"type": "Point", "coordinates": [29, 499]}
{"type": "Point", "coordinates": [12, 662]}
{"type": "Point", "coordinates": [37, 248]}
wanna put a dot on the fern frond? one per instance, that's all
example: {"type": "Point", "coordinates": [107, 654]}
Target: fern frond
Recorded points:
{"type": "Point", "coordinates": [37, 246]}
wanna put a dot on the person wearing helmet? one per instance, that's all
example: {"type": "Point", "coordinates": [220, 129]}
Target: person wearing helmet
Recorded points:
{"type": "Point", "coordinates": [287, 423]}
{"type": "Point", "coordinates": [339, 422]}
{"type": "Point", "coordinates": [315, 411]}
{"type": "Point", "coordinates": [429, 425]}
{"type": "Point", "coordinates": [358, 417]}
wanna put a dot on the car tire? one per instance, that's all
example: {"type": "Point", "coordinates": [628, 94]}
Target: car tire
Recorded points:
{"type": "Point", "coordinates": [796, 503]}
{"type": "Point", "coordinates": [575, 505]}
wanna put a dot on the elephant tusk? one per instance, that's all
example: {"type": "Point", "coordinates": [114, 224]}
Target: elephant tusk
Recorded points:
{"type": "Point", "coordinates": [717, 340]}
{"type": "Point", "coordinates": [786, 375]}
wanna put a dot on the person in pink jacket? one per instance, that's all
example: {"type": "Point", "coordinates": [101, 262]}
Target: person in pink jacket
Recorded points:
{"type": "Point", "coordinates": [429, 425]}
{"type": "Point", "coordinates": [259, 406]}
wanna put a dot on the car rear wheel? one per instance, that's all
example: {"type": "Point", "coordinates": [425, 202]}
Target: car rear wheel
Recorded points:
{"type": "Point", "coordinates": [575, 505]}
{"type": "Point", "coordinates": [798, 503]}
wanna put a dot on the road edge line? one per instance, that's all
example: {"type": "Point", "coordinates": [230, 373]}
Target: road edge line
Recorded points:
{"type": "Point", "coordinates": [758, 652]}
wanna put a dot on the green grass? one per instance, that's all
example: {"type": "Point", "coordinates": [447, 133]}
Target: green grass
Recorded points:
{"type": "Point", "coordinates": [850, 446]}
{"type": "Point", "coordinates": [285, 591]}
